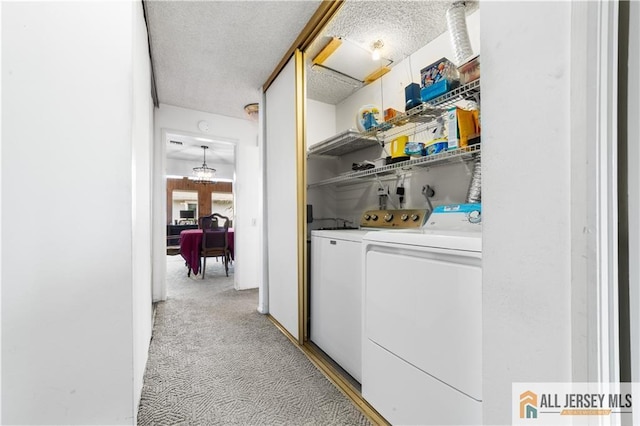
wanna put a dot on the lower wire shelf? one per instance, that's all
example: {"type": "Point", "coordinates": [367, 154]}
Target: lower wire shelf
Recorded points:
{"type": "Point", "coordinates": [460, 154]}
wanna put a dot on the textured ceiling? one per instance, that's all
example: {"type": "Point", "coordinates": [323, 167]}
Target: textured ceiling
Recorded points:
{"type": "Point", "coordinates": [404, 26]}
{"type": "Point", "coordinates": [214, 56]}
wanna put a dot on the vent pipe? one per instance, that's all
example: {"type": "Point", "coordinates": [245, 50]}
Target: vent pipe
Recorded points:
{"type": "Point", "coordinates": [474, 194]}
{"type": "Point", "coordinates": [457, 26]}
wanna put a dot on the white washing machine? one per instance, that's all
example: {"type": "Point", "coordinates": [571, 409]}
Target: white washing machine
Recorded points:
{"type": "Point", "coordinates": [335, 302]}
{"type": "Point", "coordinates": [422, 320]}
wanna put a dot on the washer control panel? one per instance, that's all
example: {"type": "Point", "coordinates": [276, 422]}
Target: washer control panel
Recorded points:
{"type": "Point", "coordinates": [456, 217]}
{"type": "Point", "coordinates": [391, 219]}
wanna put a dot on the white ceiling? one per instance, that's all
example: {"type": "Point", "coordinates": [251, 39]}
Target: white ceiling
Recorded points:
{"type": "Point", "coordinates": [214, 56]}
{"type": "Point", "coordinates": [184, 147]}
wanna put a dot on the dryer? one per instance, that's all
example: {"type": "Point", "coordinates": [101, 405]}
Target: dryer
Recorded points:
{"type": "Point", "coordinates": [422, 320]}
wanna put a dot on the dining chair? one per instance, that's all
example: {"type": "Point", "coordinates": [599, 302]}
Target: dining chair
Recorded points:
{"type": "Point", "coordinates": [213, 221]}
{"type": "Point", "coordinates": [215, 241]}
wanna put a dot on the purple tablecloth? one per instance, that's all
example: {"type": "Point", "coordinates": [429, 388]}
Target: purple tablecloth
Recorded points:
{"type": "Point", "coordinates": [191, 243]}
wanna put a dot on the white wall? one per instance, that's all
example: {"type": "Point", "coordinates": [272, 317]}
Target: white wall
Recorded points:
{"type": "Point", "coordinates": [281, 199]}
{"type": "Point", "coordinates": [247, 225]}
{"type": "Point", "coordinates": [526, 199]}
{"type": "Point", "coordinates": [320, 125]}
{"type": "Point", "coordinates": [142, 157]}
{"type": "Point", "coordinates": [321, 121]}
{"type": "Point", "coordinates": [72, 123]}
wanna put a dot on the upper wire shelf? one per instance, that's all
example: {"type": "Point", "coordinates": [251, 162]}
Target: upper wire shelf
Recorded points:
{"type": "Point", "coordinates": [424, 114]}
{"type": "Point", "coordinates": [343, 143]}
{"type": "Point", "coordinates": [466, 91]}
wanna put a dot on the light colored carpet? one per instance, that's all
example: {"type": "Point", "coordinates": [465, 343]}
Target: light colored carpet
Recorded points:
{"type": "Point", "coordinates": [214, 360]}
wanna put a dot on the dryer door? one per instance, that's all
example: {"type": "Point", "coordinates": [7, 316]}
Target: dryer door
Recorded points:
{"type": "Point", "coordinates": [423, 305]}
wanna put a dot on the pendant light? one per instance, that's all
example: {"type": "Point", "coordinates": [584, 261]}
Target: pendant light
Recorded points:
{"type": "Point", "coordinates": [204, 174]}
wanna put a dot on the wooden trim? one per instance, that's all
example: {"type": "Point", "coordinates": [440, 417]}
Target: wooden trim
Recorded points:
{"type": "Point", "coordinates": [333, 376]}
{"type": "Point", "coordinates": [154, 86]}
{"type": "Point", "coordinates": [343, 385]}
{"type": "Point", "coordinates": [301, 178]}
{"type": "Point", "coordinates": [376, 75]}
{"type": "Point", "coordinates": [327, 50]}
{"type": "Point", "coordinates": [318, 21]}
{"type": "Point", "coordinates": [283, 330]}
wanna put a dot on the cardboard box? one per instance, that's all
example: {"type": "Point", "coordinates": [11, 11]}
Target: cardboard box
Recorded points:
{"type": "Point", "coordinates": [442, 69]}
{"type": "Point", "coordinates": [470, 70]}
{"type": "Point", "coordinates": [462, 125]}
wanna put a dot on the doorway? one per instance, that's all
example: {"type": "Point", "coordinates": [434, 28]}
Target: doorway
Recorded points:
{"type": "Point", "coordinates": [187, 200]}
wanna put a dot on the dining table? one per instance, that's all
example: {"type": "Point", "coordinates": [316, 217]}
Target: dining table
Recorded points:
{"type": "Point", "coordinates": [191, 243]}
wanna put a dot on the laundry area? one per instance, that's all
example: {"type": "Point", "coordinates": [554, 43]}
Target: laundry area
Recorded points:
{"type": "Point", "coordinates": [394, 222]}
{"type": "Point", "coordinates": [443, 219]}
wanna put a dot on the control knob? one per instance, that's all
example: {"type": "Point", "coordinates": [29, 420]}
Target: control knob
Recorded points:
{"type": "Point", "coordinates": [388, 217]}
{"type": "Point", "coordinates": [374, 217]}
{"type": "Point", "coordinates": [404, 217]}
{"type": "Point", "coordinates": [415, 217]}
{"type": "Point", "coordinates": [366, 216]}
{"type": "Point", "coordinates": [475, 217]}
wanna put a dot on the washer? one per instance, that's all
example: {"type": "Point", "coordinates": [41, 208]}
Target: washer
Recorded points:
{"type": "Point", "coordinates": [422, 320]}
{"type": "Point", "coordinates": [335, 303]}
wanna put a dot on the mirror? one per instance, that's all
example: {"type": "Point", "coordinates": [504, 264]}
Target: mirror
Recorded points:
{"type": "Point", "coordinates": [222, 203]}
{"type": "Point", "coordinates": [184, 209]}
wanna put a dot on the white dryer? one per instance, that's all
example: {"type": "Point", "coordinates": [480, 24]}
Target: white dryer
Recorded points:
{"type": "Point", "coordinates": [422, 320]}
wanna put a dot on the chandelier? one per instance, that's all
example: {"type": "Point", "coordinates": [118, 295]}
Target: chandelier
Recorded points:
{"type": "Point", "coordinates": [204, 174]}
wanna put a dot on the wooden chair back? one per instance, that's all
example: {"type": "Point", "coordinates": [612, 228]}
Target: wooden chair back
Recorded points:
{"type": "Point", "coordinates": [215, 241]}
{"type": "Point", "coordinates": [213, 221]}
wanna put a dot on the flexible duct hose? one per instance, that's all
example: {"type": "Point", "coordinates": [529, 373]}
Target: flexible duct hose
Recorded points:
{"type": "Point", "coordinates": [474, 194]}
{"type": "Point", "coordinates": [457, 26]}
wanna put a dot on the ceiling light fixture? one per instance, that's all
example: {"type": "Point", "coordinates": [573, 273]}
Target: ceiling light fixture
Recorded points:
{"type": "Point", "coordinates": [204, 174]}
{"type": "Point", "coordinates": [352, 59]}
{"type": "Point", "coordinates": [377, 47]}
{"type": "Point", "coordinates": [252, 111]}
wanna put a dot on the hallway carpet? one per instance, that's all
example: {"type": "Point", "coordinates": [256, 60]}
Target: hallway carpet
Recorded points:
{"type": "Point", "coordinates": [214, 360]}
